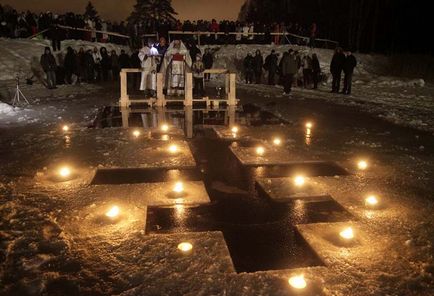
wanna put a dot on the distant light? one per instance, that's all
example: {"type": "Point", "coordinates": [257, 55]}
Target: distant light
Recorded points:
{"type": "Point", "coordinates": [277, 141]}
{"type": "Point", "coordinates": [185, 247]}
{"type": "Point", "coordinates": [113, 212]}
{"type": "Point", "coordinates": [362, 165]}
{"type": "Point", "coordinates": [164, 127]}
{"type": "Point", "coordinates": [260, 150]}
{"type": "Point", "coordinates": [347, 233]}
{"type": "Point", "coordinates": [371, 201]}
{"type": "Point", "coordinates": [234, 129]}
{"type": "Point", "coordinates": [179, 187]}
{"type": "Point", "coordinates": [234, 135]}
{"type": "Point", "coordinates": [65, 128]}
{"type": "Point", "coordinates": [299, 181]}
{"type": "Point", "coordinates": [173, 148]}
{"type": "Point", "coordinates": [65, 172]}
{"type": "Point", "coordinates": [165, 137]}
{"type": "Point", "coordinates": [309, 125]}
{"type": "Point", "coordinates": [136, 133]}
{"type": "Point", "coordinates": [297, 282]}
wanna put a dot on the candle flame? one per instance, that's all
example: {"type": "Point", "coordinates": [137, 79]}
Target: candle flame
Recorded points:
{"type": "Point", "coordinates": [297, 282]}
{"type": "Point", "coordinates": [185, 247]}
{"type": "Point", "coordinates": [113, 212]}
{"type": "Point", "coordinates": [347, 233]}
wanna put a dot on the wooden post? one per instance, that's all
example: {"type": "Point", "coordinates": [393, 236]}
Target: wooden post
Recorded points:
{"type": "Point", "coordinates": [227, 83]}
{"type": "Point", "coordinates": [125, 111]}
{"type": "Point", "coordinates": [188, 121]}
{"type": "Point", "coordinates": [231, 115]}
{"type": "Point", "coordinates": [161, 99]}
{"type": "Point", "coordinates": [232, 96]}
{"type": "Point", "coordinates": [125, 99]}
{"type": "Point", "coordinates": [188, 89]}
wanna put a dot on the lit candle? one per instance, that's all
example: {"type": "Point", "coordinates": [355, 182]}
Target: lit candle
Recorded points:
{"type": "Point", "coordinates": [371, 201]}
{"type": "Point", "coordinates": [299, 181]}
{"type": "Point", "coordinates": [309, 125]}
{"type": "Point", "coordinates": [136, 133]}
{"type": "Point", "coordinates": [362, 165]}
{"type": "Point", "coordinates": [165, 137]}
{"type": "Point", "coordinates": [164, 127]}
{"type": "Point", "coordinates": [65, 128]}
{"type": "Point", "coordinates": [178, 188]}
{"type": "Point", "coordinates": [185, 247]}
{"type": "Point", "coordinates": [234, 129]}
{"type": "Point", "coordinates": [347, 233]}
{"type": "Point", "coordinates": [113, 212]}
{"type": "Point", "coordinates": [173, 148]}
{"type": "Point", "coordinates": [297, 282]}
{"type": "Point", "coordinates": [277, 141]}
{"type": "Point", "coordinates": [65, 172]}
{"type": "Point", "coordinates": [260, 150]}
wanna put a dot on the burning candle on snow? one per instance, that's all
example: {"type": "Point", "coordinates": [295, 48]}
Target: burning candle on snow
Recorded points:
{"type": "Point", "coordinates": [297, 282]}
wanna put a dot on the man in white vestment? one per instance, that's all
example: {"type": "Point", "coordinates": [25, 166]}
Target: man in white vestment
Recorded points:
{"type": "Point", "coordinates": [149, 57]}
{"type": "Point", "coordinates": [176, 62]}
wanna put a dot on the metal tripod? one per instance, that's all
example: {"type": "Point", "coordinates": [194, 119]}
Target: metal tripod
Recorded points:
{"type": "Point", "coordinates": [19, 96]}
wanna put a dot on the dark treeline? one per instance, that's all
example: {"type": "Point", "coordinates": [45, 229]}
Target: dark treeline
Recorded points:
{"type": "Point", "coordinates": [387, 26]}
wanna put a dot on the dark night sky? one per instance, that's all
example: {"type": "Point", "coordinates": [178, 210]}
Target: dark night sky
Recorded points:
{"type": "Point", "coordinates": [120, 9]}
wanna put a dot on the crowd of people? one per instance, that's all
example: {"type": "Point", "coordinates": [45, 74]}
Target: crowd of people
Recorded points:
{"type": "Point", "coordinates": [15, 24]}
{"type": "Point", "coordinates": [298, 69]}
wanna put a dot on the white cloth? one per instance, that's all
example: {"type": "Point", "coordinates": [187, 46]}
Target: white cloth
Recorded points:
{"type": "Point", "coordinates": [174, 71]}
{"type": "Point", "coordinates": [149, 58]}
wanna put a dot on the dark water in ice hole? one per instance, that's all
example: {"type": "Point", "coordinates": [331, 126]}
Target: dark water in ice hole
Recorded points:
{"type": "Point", "coordinates": [259, 233]}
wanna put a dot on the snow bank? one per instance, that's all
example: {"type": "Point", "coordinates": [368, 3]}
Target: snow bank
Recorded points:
{"type": "Point", "coordinates": [6, 109]}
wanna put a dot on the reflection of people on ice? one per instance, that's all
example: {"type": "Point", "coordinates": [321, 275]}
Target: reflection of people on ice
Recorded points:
{"type": "Point", "coordinates": [176, 62]}
{"type": "Point", "coordinates": [149, 58]}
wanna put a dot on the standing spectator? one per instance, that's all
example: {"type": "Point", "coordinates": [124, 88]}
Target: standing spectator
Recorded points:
{"type": "Point", "coordinates": [105, 63]}
{"type": "Point", "coordinates": [208, 61]}
{"type": "Point", "coordinates": [349, 65]}
{"type": "Point", "coordinates": [56, 35]}
{"type": "Point", "coordinates": [336, 67]}
{"type": "Point", "coordinates": [96, 55]}
{"type": "Point", "coordinates": [313, 32]}
{"type": "Point", "coordinates": [249, 68]}
{"type": "Point", "coordinates": [136, 63]}
{"type": "Point", "coordinates": [194, 51]}
{"type": "Point", "coordinates": [48, 63]}
{"type": "Point", "coordinates": [288, 70]}
{"type": "Point", "coordinates": [81, 56]}
{"type": "Point", "coordinates": [276, 36]}
{"type": "Point", "coordinates": [89, 61]}
{"type": "Point", "coordinates": [271, 66]}
{"type": "Point", "coordinates": [115, 65]}
{"type": "Point", "coordinates": [258, 64]}
{"type": "Point", "coordinates": [69, 64]}
{"type": "Point", "coordinates": [307, 70]}
{"type": "Point", "coordinates": [124, 60]}
{"type": "Point", "coordinates": [316, 70]}
{"type": "Point", "coordinates": [198, 68]}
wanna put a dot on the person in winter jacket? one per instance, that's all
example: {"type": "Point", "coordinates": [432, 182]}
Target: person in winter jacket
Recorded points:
{"type": "Point", "coordinates": [271, 66]}
{"type": "Point", "coordinates": [288, 68]}
{"type": "Point", "coordinates": [208, 61]}
{"type": "Point", "coordinates": [115, 66]}
{"type": "Point", "coordinates": [69, 64]}
{"type": "Point", "coordinates": [48, 64]}
{"type": "Point", "coordinates": [89, 66]}
{"type": "Point", "coordinates": [105, 63]}
{"type": "Point", "coordinates": [124, 60]}
{"type": "Point", "coordinates": [349, 65]}
{"type": "Point", "coordinates": [307, 70]}
{"type": "Point", "coordinates": [316, 70]}
{"type": "Point", "coordinates": [198, 69]}
{"type": "Point", "coordinates": [97, 63]}
{"type": "Point", "coordinates": [258, 64]}
{"type": "Point", "coordinates": [336, 67]}
{"type": "Point", "coordinates": [249, 68]}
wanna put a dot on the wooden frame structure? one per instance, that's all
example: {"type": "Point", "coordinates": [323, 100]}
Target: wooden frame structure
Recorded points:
{"type": "Point", "coordinates": [188, 100]}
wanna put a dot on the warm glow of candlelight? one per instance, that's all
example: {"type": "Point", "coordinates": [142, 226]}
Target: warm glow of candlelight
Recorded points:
{"type": "Point", "coordinates": [165, 137]}
{"type": "Point", "coordinates": [234, 129]}
{"type": "Point", "coordinates": [136, 133]}
{"type": "Point", "coordinates": [277, 141]}
{"type": "Point", "coordinates": [164, 127]}
{"type": "Point", "coordinates": [173, 148]}
{"type": "Point", "coordinates": [347, 233]}
{"type": "Point", "coordinates": [113, 212]}
{"type": "Point", "coordinates": [362, 165]}
{"type": "Point", "coordinates": [185, 247]}
{"type": "Point", "coordinates": [371, 201]}
{"type": "Point", "coordinates": [299, 181]}
{"type": "Point", "coordinates": [260, 150]}
{"type": "Point", "coordinates": [297, 282]}
{"type": "Point", "coordinates": [179, 187]}
{"type": "Point", "coordinates": [65, 172]}
{"type": "Point", "coordinates": [65, 128]}
{"type": "Point", "coordinates": [309, 125]}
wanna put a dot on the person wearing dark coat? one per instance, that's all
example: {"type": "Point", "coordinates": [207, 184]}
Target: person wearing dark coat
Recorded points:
{"type": "Point", "coordinates": [48, 64]}
{"type": "Point", "coordinates": [194, 51]}
{"type": "Point", "coordinates": [288, 68]}
{"type": "Point", "coordinates": [81, 56]}
{"type": "Point", "coordinates": [89, 66]}
{"type": "Point", "coordinates": [336, 67]}
{"type": "Point", "coordinates": [258, 64]}
{"type": "Point", "coordinates": [271, 66]}
{"type": "Point", "coordinates": [349, 65]}
{"type": "Point", "coordinates": [69, 64]}
{"type": "Point", "coordinates": [316, 70]}
{"type": "Point", "coordinates": [124, 60]}
{"type": "Point", "coordinates": [136, 64]}
{"type": "Point", "coordinates": [208, 61]}
{"type": "Point", "coordinates": [249, 68]}
{"type": "Point", "coordinates": [105, 63]}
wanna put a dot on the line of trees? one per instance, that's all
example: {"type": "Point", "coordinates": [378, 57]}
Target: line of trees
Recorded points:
{"type": "Point", "coordinates": [367, 25]}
